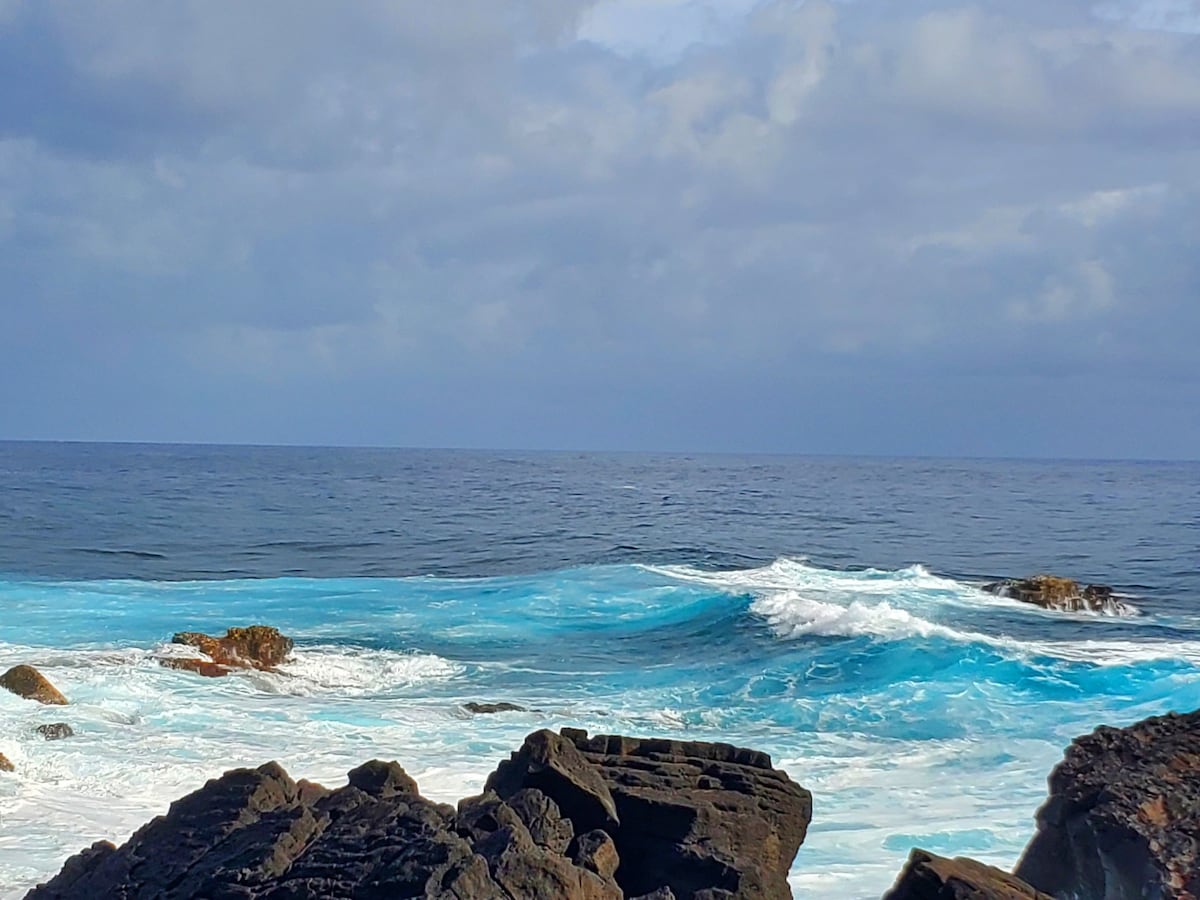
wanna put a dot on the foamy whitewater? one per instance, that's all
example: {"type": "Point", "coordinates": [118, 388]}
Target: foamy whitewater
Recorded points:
{"type": "Point", "coordinates": [919, 710]}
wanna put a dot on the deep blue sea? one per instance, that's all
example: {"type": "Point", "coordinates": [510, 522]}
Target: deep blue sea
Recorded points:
{"type": "Point", "coordinates": [824, 610]}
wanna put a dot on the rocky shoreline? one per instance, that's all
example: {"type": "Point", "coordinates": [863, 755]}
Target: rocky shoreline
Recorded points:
{"type": "Point", "coordinates": [610, 817]}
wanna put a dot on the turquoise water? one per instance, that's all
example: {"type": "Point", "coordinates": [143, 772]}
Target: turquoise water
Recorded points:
{"type": "Point", "coordinates": [825, 611]}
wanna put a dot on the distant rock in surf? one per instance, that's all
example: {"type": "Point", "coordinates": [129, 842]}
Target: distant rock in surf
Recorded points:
{"type": "Point", "coordinates": [28, 682]}
{"type": "Point", "coordinates": [568, 817]}
{"type": "Point", "coordinates": [1123, 816]}
{"type": "Point", "coordinates": [1064, 594]}
{"type": "Point", "coordinates": [5, 765]}
{"type": "Point", "coordinates": [255, 647]}
{"type": "Point", "coordinates": [931, 877]}
{"type": "Point", "coordinates": [55, 731]}
{"type": "Point", "coordinates": [486, 708]}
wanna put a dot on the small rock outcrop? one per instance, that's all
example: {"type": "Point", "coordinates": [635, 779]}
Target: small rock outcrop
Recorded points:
{"type": "Point", "coordinates": [255, 647]}
{"type": "Point", "coordinates": [55, 731]}
{"type": "Point", "coordinates": [1063, 594]}
{"type": "Point", "coordinates": [1123, 817]}
{"type": "Point", "coordinates": [5, 764]}
{"type": "Point", "coordinates": [567, 817]}
{"type": "Point", "coordinates": [931, 877]}
{"type": "Point", "coordinates": [28, 682]}
{"type": "Point", "coordinates": [487, 708]}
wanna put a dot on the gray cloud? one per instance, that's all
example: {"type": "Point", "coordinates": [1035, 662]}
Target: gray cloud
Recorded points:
{"type": "Point", "coordinates": [398, 222]}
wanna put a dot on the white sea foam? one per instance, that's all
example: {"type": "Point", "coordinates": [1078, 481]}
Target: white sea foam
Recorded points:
{"type": "Point", "coordinates": [792, 615]}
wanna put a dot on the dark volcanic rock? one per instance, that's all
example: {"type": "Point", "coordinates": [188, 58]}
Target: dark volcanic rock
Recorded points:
{"type": "Point", "coordinates": [55, 731]}
{"type": "Point", "coordinates": [255, 647]}
{"type": "Point", "coordinates": [726, 823]}
{"type": "Point", "coordinates": [693, 817]}
{"type": "Point", "coordinates": [930, 877]}
{"type": "Point", "coordinates": [1123, 817]}
{"type": "Point", "coordinates": [484, 708]}
{"type": "Point", "coordinates": [5, 765]}
{"type": "Point", "coordinates": [28, 682]}
{"type": "Point", "coordinates": [1053, 592]}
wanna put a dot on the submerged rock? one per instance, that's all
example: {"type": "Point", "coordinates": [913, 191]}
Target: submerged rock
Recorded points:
{"type": "Point", "coordinates": [255, 647]}
{"type": "Point", "coordinates": [1123, 817]}
{"type": "Point", "coordinates": [578, 819]}
{"type": "Point", "coordinates": [55, 731]}
{"type": "Point", "coordinates": [28, 682]}
{"type": "Point", "coordinates": [1064, 594]}
{"type": "Point", "coordinates": [205, 667]}
{"type": "Point", "coordinates": [484, 708]}
{"type": "Point", "coordinates": [930, 877]}
{"type": "Point", "coordinates": [5, 765]}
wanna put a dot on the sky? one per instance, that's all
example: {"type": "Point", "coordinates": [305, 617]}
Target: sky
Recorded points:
{"type": "Point", "coordinates": [868, 227]}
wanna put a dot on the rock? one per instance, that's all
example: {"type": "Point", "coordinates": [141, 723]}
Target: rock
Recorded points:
{"type": "Point", "coordinates": [55, 731]}
{"type": "Point", "coordinates": [255, 834]}
{"type": "Point", "coordinates": [552, 764]}
{"type": "Point", "coordinates": [256, 647]}
{"type": "Point", "coordinates": [483, 708]}
{"type": "Point", "coordinates": [28, 682]}
{"type": "Point", "coordinates": [930, 877]}
{"type": "Point", "coordinates": [6, 765]}
{"type": "Point", "coordinates": [204, 667]}
{"type": "Point", "coordinates": [1123, 816]}
{"type": "Point", "coordinates": [693, 817]}
{"type": "Point", "coordinates": [1053, 592]}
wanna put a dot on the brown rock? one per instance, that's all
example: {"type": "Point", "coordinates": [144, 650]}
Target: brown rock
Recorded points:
{"type": "Point", "coordinates": [204, 667]}
{"type": "Point", "coordinates": [28, 682]}
{"type": "Point", "coordinates": [255, 647]}
{"type": "Point", "coordinates": [5, 765]}
{"type": "Point", "coordinates": [930, 877]}
{"type": "Point", "coordinates": [1123, 816]}
{"type": "Point", "coordinates": [1063, 594]}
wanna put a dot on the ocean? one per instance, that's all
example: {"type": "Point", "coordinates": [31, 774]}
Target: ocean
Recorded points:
{"type": "Point", "coordinates": [825, 610]}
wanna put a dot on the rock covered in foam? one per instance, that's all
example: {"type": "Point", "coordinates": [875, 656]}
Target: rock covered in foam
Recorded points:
{"type": "Point", "coordinates": [931, 877]}
{"type": "Point", "coordinates": [254, 647]}
{"type": "Point", "coordinates": [28, 682]}
{"type": "Point", "coordinates": [1123, 816]}
{"type": "Point", "coordinates": [55, 731]}
{"type": "Point", "coordinates": [1064, 594]}
{"type": "Point", "coordinates": [569, 817]}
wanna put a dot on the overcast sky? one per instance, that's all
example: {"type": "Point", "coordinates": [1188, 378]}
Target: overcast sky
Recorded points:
{"type": "Point", "coordinates": [879, 227]}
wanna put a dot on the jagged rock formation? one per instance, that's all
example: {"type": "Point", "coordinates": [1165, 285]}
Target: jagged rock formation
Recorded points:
{"type": "Point", "coordinates": [567, 817]}
{"type": "Point", "coordinates": [930, 877]}
{"type": "Point", "coordinates": [28, 682]}
{"type": "Point", "coordinates": [1064, 594]}
{"type": "Point", "coordinates": [1123, 817]}
{"type": "Point", "coordinates": [255, 647]}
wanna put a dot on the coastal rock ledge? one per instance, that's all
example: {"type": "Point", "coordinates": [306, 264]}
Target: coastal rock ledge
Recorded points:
{"type": "Point", "coordinates": [1123, 818]}
{"type": "Point", "coordinates": [567, 816]}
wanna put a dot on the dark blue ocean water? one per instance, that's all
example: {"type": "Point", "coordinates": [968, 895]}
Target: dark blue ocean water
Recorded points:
{"type": "Point", "coordinates": [825, 610]}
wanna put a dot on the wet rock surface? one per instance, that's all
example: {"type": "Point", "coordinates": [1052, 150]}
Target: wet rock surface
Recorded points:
{"type": "Point", "coordinates": [6, 765]}
{"type": "Point", "coordinates": [55, 731]}
{"type": "Point", "coordinates": [254, 647]}
{"type": "Point", "coordinates": [28, 682]}
{"type": "Point", "coordinates": [567, 816]}
{"type": "Point", "coordinates": [1123, 816]}
{"type": "Point", "coordinates": [1063, 594]}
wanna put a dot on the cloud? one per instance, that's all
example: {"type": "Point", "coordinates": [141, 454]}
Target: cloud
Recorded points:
{"type": "Point", "coordinates": [555, 199]}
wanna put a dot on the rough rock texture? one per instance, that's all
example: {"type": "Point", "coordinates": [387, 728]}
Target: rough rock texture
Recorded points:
{"type": "Point", "coordinates": [255, 647]}
{"type": "Point", "coordinates": [726, 823]}
{"type": "Point", "coordinates": [930, 877]}
{"type": "Point", "coordinates": [31, 684]}
{"type": "Point", "coordinates": [55, 731]}
{"type": "Point", "coordinates": [697, 818]}
{"type": "Point", "coordinates": [1053, 592]}
{"type": "Point", "coordinates": [5, 765]}
{"type": "Point", "coordinates": [1123, 816]}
